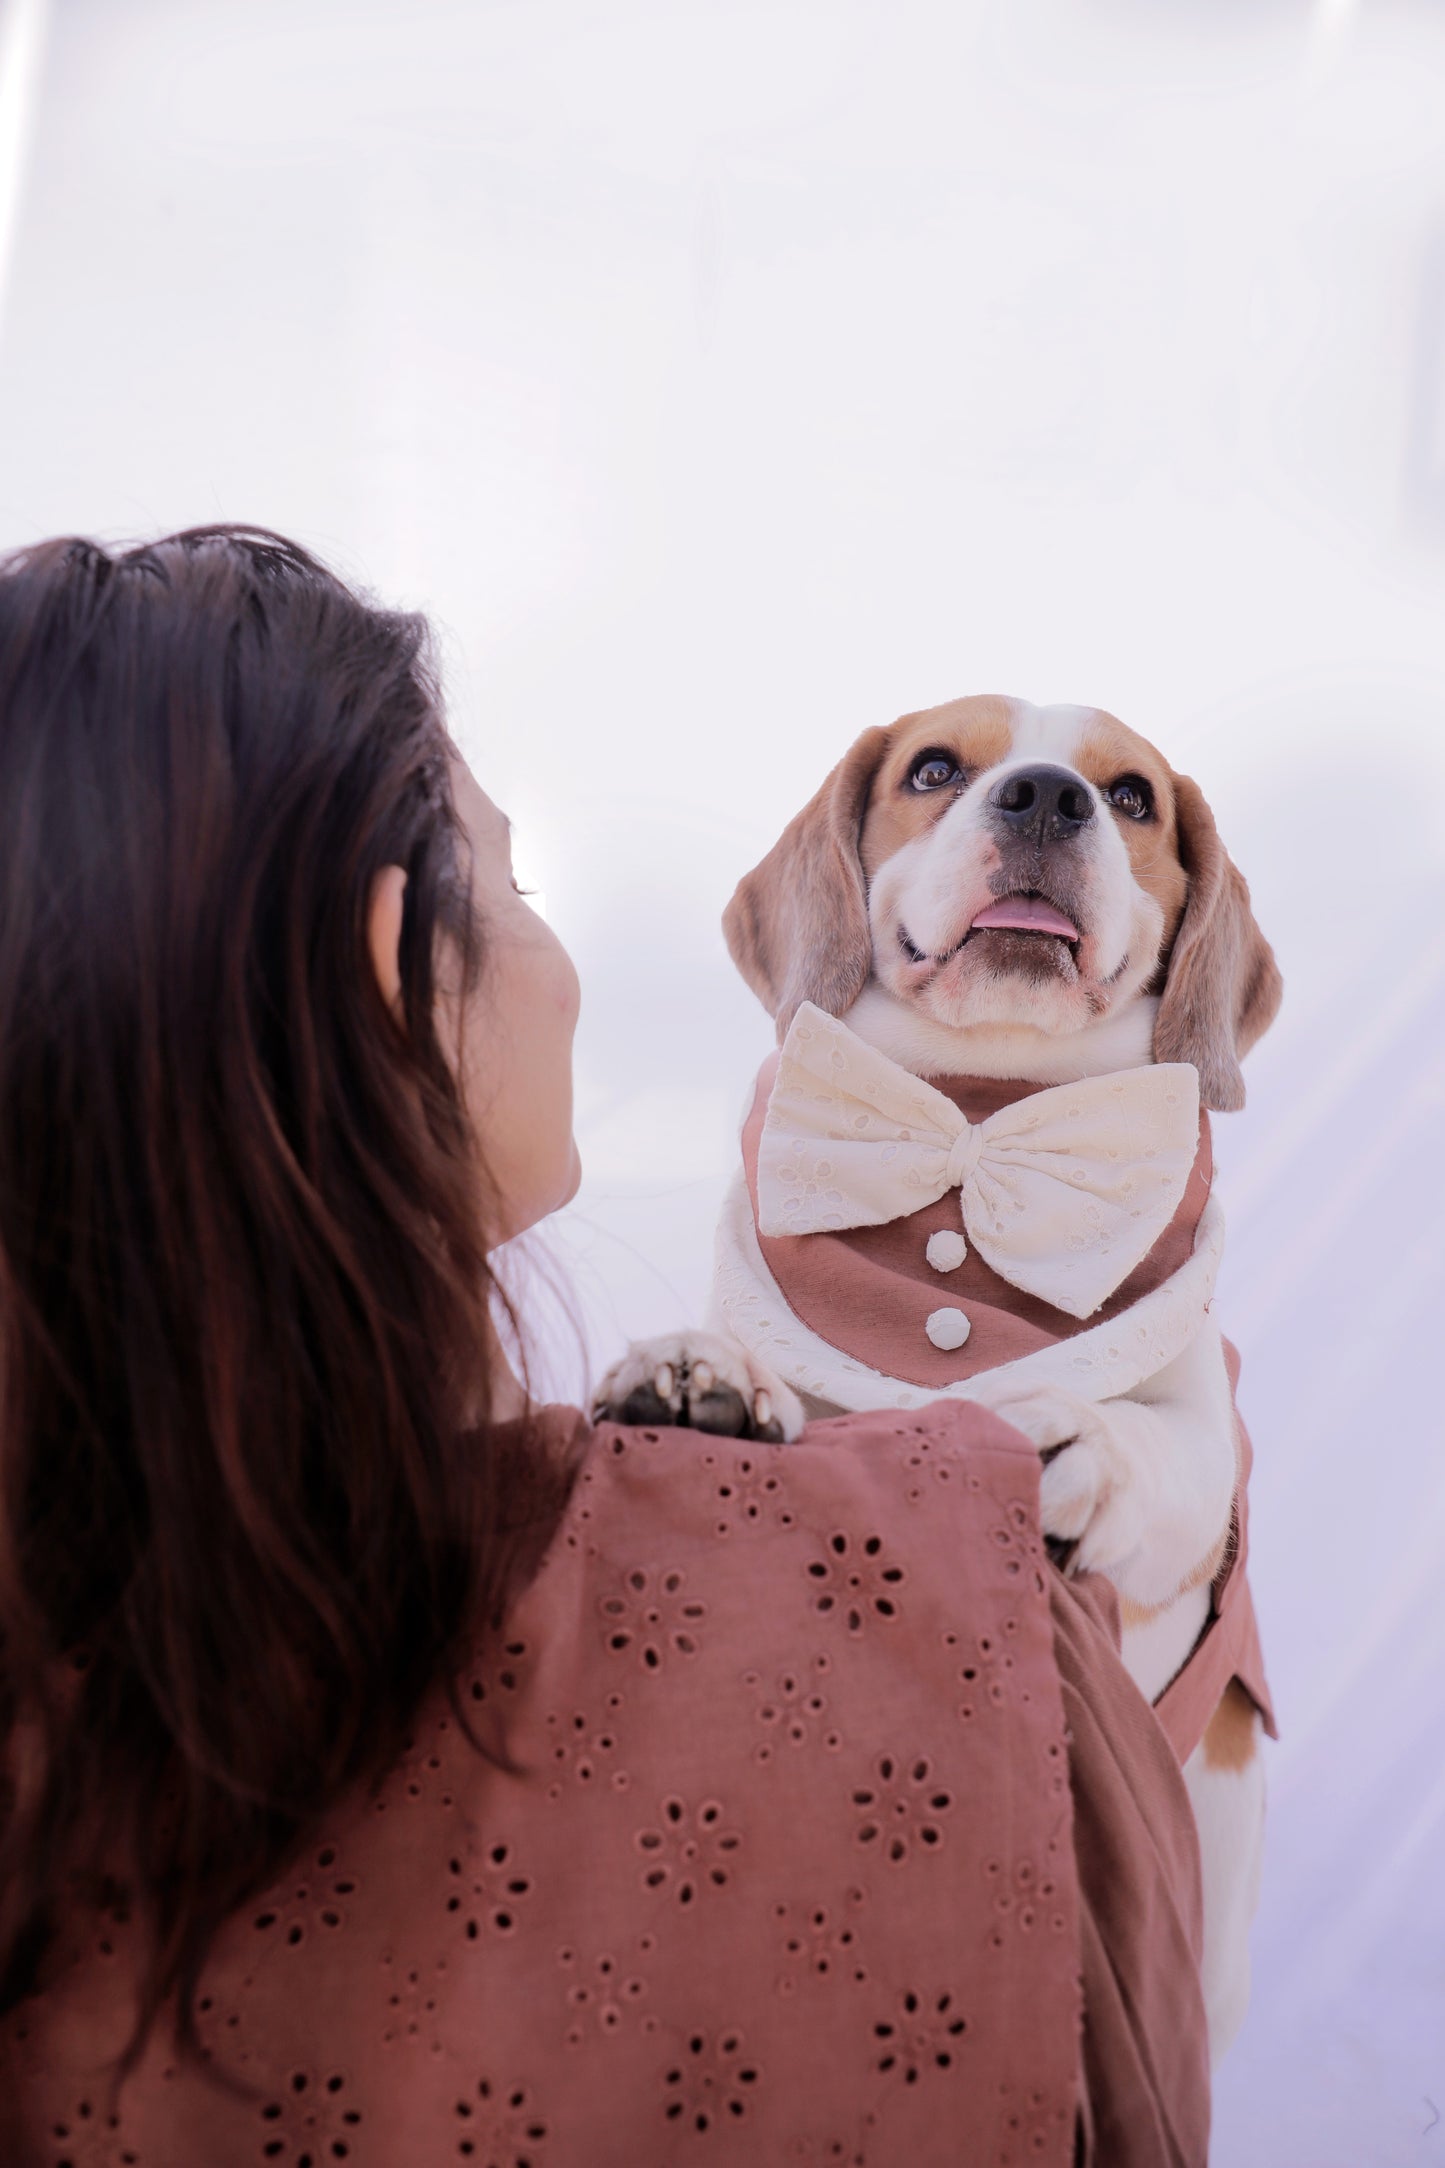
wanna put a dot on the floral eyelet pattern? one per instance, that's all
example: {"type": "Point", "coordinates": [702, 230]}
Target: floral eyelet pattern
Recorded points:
{"type": "Point", "coordinates": [901, 1806]}
{"type": "Point", "coordinates": [311, 2121]}
{"type": "Point", "coordinates": [854, 1580]}
{"type": "Point", "coordinates": [709, 2082]}
{"type": "Point", "coordinates": [688, 1851]}
{"type": "Point", "coordinates": [651, 1616]}
{"type": "Point", "coordinates": [488, 1889]}
{"type": "Point", "coordinates": [500, 2127]}
{"type": "Point", "coordinates": [751, 1492]}
{"type": "Point", "coordinates": [922, 2033]}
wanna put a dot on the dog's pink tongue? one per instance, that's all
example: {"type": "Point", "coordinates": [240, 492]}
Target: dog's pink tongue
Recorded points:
{"type": "Point", "coordinates": [1030, 912]}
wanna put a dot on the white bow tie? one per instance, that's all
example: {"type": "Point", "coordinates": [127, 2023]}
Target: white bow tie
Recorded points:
{"type": "Point", "coordinates": [1062, 1193]}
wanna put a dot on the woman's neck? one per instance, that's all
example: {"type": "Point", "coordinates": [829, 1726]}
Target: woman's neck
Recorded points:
{"type": "Point", "coordinates": [505, 1395]}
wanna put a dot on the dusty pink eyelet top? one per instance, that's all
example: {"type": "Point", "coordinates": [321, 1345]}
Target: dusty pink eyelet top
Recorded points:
{"type": "Point", "coordinates": [825, 1827]}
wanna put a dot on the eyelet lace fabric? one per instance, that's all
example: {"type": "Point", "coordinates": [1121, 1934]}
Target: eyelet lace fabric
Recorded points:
{"type": "Point", "coordinates": [777, 1858]}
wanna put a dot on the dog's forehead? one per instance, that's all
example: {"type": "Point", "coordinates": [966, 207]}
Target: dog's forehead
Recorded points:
{"type": "Point", "coordinates": [1054, 733]}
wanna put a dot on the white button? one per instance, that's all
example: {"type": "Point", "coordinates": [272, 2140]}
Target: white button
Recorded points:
{"type": "Point", "coordinates": [948, 1328]}
{"type": "Point", "coordinates": [946, 1250]}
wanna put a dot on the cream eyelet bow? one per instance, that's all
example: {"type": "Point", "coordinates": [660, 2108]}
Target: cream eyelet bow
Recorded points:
{"type": "Point", "coordinates": [1061, 1193]}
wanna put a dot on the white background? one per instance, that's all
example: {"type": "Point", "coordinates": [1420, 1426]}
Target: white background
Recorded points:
{"type": "Point", "coordinates": [726, 378]}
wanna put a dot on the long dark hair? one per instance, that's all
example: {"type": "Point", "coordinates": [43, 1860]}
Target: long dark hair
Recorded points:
{"type": "Point", "coordinates": [249, 1500]}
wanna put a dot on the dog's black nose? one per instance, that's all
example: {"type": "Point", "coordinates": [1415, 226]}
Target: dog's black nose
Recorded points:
{"type": "Point", "coordinates": [1047, 803]}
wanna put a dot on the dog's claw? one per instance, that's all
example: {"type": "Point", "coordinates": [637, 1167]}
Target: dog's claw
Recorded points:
{"type": "Point", "coordinates": [1061, 1550]}
{"type": "Point", "coordinates": [699, 1381]}
{"type": "Point", "coordinates": [765, 1424]}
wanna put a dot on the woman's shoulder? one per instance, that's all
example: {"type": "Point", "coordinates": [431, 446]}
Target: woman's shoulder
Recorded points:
{"type": "Point", "coordinates": [772, 1759]}
{"type": "Point", "coordinates": [867, 1516]}
{"type": "Point", "coordinates": [892, 1457]}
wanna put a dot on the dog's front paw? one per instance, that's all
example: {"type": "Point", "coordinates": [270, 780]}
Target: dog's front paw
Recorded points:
{"type": "Point", "coordinates": [699, 1382]}
{"type": "Point", "coordinates": [1091, 1503]}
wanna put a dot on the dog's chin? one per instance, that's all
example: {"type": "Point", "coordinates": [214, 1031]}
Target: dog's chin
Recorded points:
{"type": "Point", "coordinates": [1004, 975]}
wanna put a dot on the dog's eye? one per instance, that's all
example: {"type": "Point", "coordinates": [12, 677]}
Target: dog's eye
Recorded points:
{"type": "Point", "coordinates": [933, 770]}
{"type": "Point", "coordinates": [1132, 797]}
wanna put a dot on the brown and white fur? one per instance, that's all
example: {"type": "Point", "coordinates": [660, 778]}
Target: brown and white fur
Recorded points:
{"type": "Point", "coordinates": [866, 906]}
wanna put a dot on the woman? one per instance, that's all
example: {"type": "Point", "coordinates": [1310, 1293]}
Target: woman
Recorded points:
{"type": "Point", "coordinates": [393, 1771]}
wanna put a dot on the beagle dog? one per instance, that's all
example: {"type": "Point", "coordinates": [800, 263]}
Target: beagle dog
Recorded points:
{"type": "Point", "coordinates": [992, 891]}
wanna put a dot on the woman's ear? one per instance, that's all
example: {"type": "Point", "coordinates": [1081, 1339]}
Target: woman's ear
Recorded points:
{"type": "Point", "coordinates": [1222, 987]}
{"type": "Point", "coordinates": [383, 934]}
{"type": "Point", "coordinates": [797, 926]}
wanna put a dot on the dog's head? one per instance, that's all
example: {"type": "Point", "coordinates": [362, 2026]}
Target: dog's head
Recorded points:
{"type": "Point", "coordinates": [993, 864]}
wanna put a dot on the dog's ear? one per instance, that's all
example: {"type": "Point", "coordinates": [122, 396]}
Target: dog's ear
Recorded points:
{"type": "Point", "coordinates": [1222, 987]}
{"type": "Point", "coordinates": [797, 926]}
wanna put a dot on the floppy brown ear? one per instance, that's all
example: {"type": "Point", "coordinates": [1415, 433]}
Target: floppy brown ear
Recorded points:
{"type": "Point", "coordinates": [1222, 987]}
{"type": "Point", "coordinates": [797, 925]}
